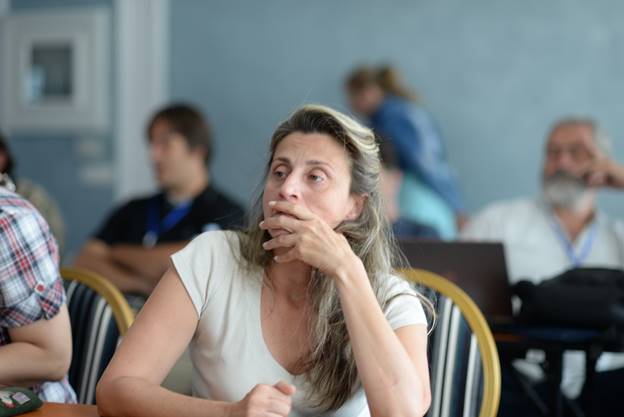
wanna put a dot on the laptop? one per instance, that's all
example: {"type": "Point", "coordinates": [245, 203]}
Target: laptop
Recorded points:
{"type": "Point", "coordinates": [478, 268]}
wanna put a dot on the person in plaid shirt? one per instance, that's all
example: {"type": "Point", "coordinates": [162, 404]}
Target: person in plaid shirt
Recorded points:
{"type": "Point", "coordinates": [35, 333]}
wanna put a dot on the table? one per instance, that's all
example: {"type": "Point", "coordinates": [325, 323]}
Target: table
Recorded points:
{"type": "Point", "coordinates": [513, 340]}
{"type": "Point", "coordinates": [64, 410]}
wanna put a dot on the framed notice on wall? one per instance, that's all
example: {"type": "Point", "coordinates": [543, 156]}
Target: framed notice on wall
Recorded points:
{"type": "Point", "coordinates": [55, 70]}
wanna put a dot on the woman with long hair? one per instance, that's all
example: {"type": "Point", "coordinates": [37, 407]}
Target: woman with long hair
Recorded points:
{"type": "Point", "coordinates": [299, 315]}
{"type": "Point", "coordinates": [429, 193]}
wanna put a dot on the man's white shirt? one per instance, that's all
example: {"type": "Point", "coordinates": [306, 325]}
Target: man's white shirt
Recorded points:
{"type": "Point", "coordinates": [535, 250]}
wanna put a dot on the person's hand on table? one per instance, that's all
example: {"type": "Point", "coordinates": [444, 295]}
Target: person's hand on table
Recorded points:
{"type": "Point", "coordinates": [265, 400]}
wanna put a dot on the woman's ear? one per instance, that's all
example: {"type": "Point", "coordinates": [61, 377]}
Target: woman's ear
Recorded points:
{"type": "Point", "coordinates": [357, 207]}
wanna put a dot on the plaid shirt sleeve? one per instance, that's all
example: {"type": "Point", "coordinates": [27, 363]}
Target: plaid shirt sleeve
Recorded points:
{"type": "Point", "coordinates": [30, 285]}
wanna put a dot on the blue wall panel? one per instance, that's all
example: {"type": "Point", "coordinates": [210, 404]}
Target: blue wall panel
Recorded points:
{"type": "Point", "coordinates": [495, 74]}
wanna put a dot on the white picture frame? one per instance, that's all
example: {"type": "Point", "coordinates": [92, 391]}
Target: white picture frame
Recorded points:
{"type": "Point", "coordinates": [55, 70]}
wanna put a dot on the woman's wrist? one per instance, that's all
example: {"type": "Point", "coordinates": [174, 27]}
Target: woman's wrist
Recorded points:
{"type": "Point", "coordinates": [350, 271]}
{"type": "Point", "coordinates": [229, 409]}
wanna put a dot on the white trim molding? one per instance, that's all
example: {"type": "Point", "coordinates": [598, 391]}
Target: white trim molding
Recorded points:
{"type": "Point", "coordinates": [74, 46]}
{"type": "Point", "coordinates": [142, 59]}
{"type": "Point", "coordinates": [4, 11]}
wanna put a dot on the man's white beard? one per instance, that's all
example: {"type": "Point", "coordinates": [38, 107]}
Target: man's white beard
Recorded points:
{"type": "Point", "coordinates": [563, 190]}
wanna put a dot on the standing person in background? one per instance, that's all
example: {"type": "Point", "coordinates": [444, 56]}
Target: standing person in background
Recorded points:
{"type": "Point", "coordinates": [133, 246]}
{"type": "Point", "coordinates": [429, 193]}
{"type": "Point", "coordinates": [35, 194]}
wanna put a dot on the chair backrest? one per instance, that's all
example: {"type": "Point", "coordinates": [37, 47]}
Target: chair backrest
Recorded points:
{"type": "Point", "coordinates": [99, 316]}
{"type": "Point", "coordinates": [464, 363]}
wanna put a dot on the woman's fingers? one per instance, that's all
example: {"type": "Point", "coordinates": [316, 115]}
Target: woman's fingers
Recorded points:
{"type": "Point", "coordinates": [285, 388]}
{"type": "Point", "coordinates": [291, 255]}
{"type": "Point", "coordinates": [309, 239]}
{"type": "Point", "coordinates": [266, 400]}
{"type": "Point", "coordinates": [280, 221]}
{"type": "Point", "coordinates": [282, 241]}
{"type": "Point", "coordinates": [296, 210]}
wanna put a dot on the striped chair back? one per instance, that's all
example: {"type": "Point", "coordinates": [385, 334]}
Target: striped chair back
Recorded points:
{"type": "Point", "coordinates": [464, 364]}
{"type": "Point", "coordinates": [95, 329]}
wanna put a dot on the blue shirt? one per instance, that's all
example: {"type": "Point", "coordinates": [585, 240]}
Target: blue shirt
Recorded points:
{"type": "Point", "coordinates": [419, 148]}
{"type": "Point", "coordinates": [421, 204]}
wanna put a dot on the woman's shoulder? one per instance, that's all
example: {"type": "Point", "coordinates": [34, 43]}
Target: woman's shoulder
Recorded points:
{"type": "Point", "coordinates": [216, 241]}
{"type": "Point", "coordinates": [392, 107]}
{"type": "Point", "coordinates": [208, 266]}
{"type": "Point", "coordinates": [403, 302]}
{"type": "Point", "coordinates": [395, 110]}
{"type": "Point", "coordinates": [396, 284]}
{"type": "Point", "coordinates": [209, 251]}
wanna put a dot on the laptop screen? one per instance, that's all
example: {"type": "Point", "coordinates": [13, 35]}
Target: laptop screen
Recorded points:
{"type": "Point", "coordinates": [478, 268]}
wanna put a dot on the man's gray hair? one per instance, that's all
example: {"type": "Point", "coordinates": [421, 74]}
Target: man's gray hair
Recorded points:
{"type": "Point", "coordinates": [603, 141]}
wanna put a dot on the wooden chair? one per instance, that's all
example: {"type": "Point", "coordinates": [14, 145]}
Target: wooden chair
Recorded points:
{"type": "Point", "coordinates": [99, 316]}
{"type": "Point", "coordinates": [465, 368]}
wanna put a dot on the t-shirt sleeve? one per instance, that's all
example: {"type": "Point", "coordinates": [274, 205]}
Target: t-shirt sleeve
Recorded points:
{"type": "Point", "coordinates": [197, 263]}
{"type": "Point", "coordinates": [30, 283]}
{"type": "Point", "coordinates": [404, 307]}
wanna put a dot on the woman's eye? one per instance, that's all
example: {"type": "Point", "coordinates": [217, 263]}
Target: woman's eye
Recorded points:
{"type": "Point", "coordinates": [316, 178]}
{"type": "Point", "coordinates": [279, 174]}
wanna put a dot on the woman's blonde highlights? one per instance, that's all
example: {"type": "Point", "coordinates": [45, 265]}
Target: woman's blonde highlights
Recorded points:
{"type": "Point", "coordinates": [329, 368]}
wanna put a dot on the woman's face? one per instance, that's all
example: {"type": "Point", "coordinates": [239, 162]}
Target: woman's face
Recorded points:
{"type": "Point", "coordinates": [366, 100]}
{"type": "Point", "coordinates": [312, 170]}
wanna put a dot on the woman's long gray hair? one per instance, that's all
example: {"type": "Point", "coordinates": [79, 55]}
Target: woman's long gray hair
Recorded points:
{"type": "Point", "coordinates": [329, 367]}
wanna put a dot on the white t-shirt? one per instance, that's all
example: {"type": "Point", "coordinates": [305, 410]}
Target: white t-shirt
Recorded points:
{"type": "Point", "coordinates": [228, 351]}
{"type": "Point", "coordinates": [534, 251]}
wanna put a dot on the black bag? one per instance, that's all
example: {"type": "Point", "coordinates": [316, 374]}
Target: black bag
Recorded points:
{"type": "Point", "coordinates": [580, 297]}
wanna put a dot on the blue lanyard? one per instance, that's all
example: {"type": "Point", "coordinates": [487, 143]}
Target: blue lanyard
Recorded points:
{"type": "Point", "coordinates": [568, 247]}
{"type": "Point", "coordinates": [155, 226]}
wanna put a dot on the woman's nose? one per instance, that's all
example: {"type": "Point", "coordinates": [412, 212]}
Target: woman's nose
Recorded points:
{"type": "Point", "coordinates": [290, 189]}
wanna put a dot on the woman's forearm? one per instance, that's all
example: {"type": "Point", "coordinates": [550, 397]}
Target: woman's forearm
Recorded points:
{"type": "Point", "coordinates": [136, 397]}
{"type": "Point", "coordinates": [25, 364]}
{"type": "Point", "coordinates": [390, 378]}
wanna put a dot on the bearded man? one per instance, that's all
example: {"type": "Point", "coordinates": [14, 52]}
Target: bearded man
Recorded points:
{"type": "Point", "coordinates": [561, 229]}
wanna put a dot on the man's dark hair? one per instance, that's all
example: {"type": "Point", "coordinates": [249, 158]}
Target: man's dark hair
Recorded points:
{"type": "Point", "coordinates": [10, 164]}
{"type": "Point", "coordinates": [187, 121]}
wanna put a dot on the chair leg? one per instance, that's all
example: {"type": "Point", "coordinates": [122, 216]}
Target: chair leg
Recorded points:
{"type": "Point", "coordinates": [529, 391]}
{"type": "Point", "coordinates": [574, 407]}
{"type": "Point", "coordinates": [588, 392]}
